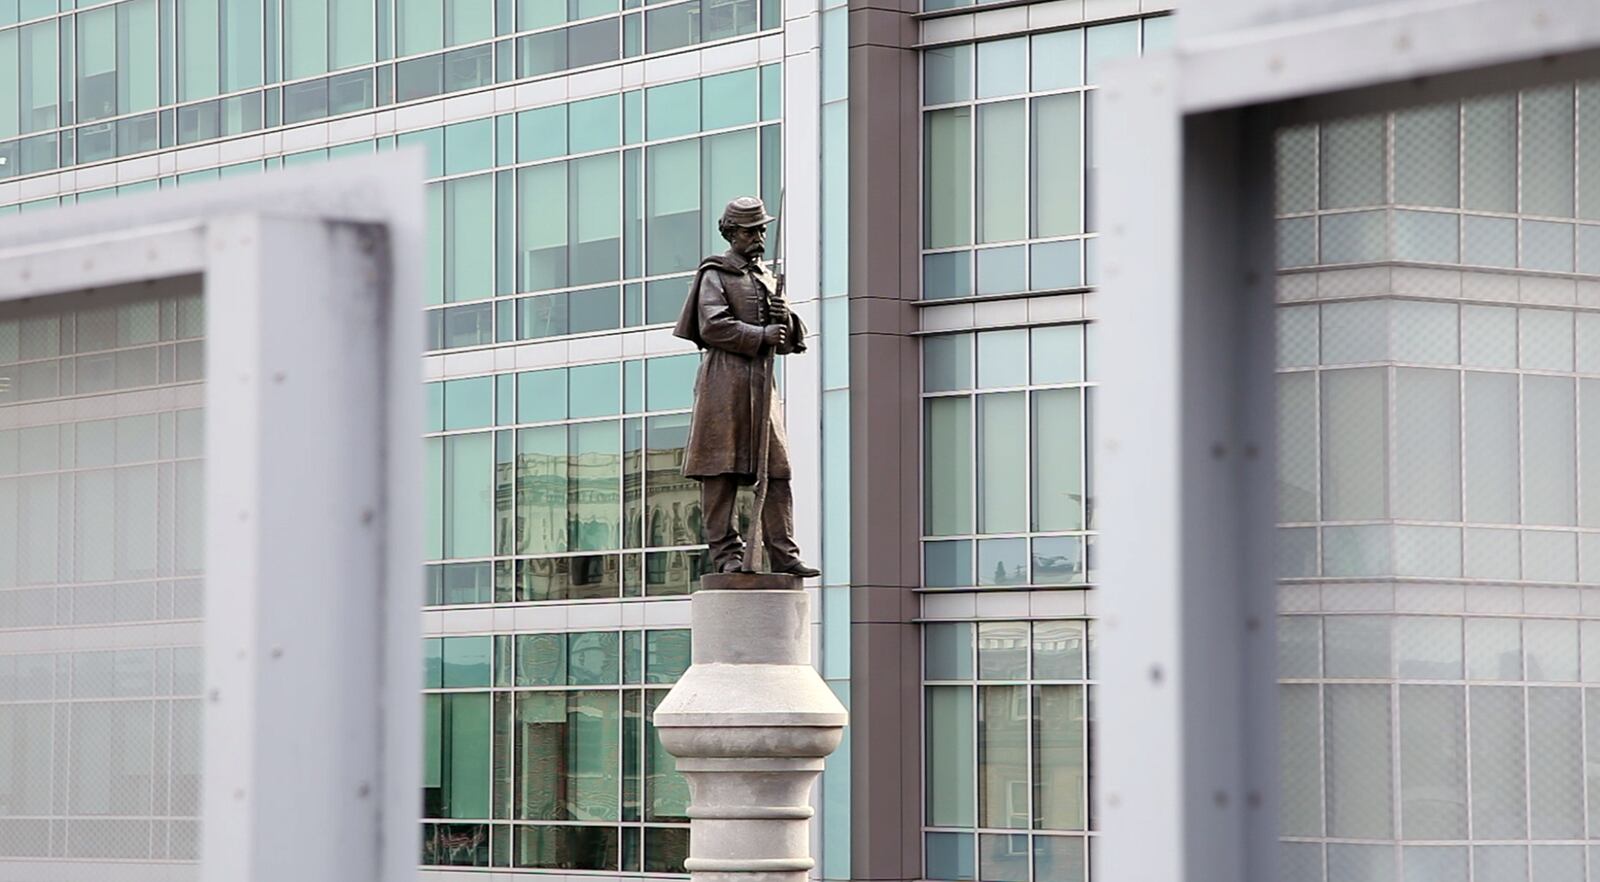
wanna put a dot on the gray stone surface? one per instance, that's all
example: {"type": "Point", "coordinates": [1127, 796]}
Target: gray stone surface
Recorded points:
{"type": "Point", "coordinates": [750, 723]}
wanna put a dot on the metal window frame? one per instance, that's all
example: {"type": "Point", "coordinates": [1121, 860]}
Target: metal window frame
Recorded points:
{"type": "Point", "coordinates": [510, 821]}
{"type": "Point", "coordinates": [1187, 747]}
{"type": "Point", "coordinates": [313, 573]}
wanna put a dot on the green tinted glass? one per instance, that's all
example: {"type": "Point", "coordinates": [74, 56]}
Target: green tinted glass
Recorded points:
{"type": "Point", "coordinates": [542, 395]}
{"type": "Point", "coordinates": [466, 661]}
{"type": "Point", "coordinates": [593, 658]}
{"type": "Point", "coordinates": [594, 124]}
{"type": "Point", "coordinates": [468, 403]}
{"type": "Point", "coordinates": [469, 242]}
{"type": "Point", "coordinates": [465, 754]}
{"type": "Point", "coordinates": [541, 492]}
{"type": "Point", "coordinates": [433, 141]}
{"type": "Point", "coordinates": [667, 655]}
{"type": "Point", "coordinates": [432, 662]}
{"type": "Point", "coordinates": [669, 381]}
{"type": "Point", "coordinates": [594, 486]}
{"type": "Point", "coordinates": [541, 660]}
{"type": "Point", "coordinates": [771, 91]}
{"type": "Point", "coordinates": [468, 146]}
{"type": "Point", "coordinates": [594, 390]}
{"type": "Point", "coordinates": [672, 110]}
{"type": "Point", "coordinates": [542, 133]}
{"type": "Point", "coordinates": [434, 409]}
{"type": "Point", "coordinates": [633, 116]}
{"type": "Point", "coordinates": [468, 495]}
{"type": "Point", "coordinates": [729, 99]}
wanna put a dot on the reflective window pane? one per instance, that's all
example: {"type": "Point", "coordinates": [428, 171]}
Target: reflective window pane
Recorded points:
{"type": "Point", "coordinates": [1055, 157]}
{"type": "Point", "coordinates": [950, 748]}
{"type": "Point", "coordinates": [1056, 59]}
{"type": "Point", "coordinates": [947, 74]}
{"type": "Point", "coordinates": [1002, 756]}
{"type": "Point", "coordinates": [1001, 172]}
{"type": "Point", "coordinates": [948, 651]}
{"type": "Point", "coordinates": [947, 180]}
{"type": "Point", "coordinates": [948, 470]}
{"type": "Point", "coordinates": [1002, 67]}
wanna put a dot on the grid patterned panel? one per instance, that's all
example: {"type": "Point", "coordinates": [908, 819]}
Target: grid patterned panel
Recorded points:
{"type": "Point", "coordinates": [100, 508]}
{"type": "Point", "coordinates": [1433, 733]}
{"type": "Point", "coordinates": [1435, 446]}
{"type": "Point", "coordinates": [1501, 181]}
{"type": "Point", "coordinates": [1461, 444]}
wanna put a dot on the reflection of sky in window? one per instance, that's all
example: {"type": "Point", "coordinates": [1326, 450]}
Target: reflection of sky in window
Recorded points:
{"type": "Point", "coordinates": [1057, 559]}
{"type": "Point", "coordinates": [1003, 562]}
{"type": "Point", "coordinates": [466, 661]}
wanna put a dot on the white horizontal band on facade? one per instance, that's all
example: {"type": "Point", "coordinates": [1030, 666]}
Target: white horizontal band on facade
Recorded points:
{"type": "Point", "coordinates": [90, 638]}
{"type": "Point", "coordinates": [570, 616]}
{"type": "Point", "coordinates": [1004, 19]}
{"type": "Point", "coordinates": [1438, 596]}
{"type": "Point", "coordinates": [1010, 312]}
{"type": "Point", "coordinates": [60, 870]}
{"type": "Point", "coordinates": [1400, 279]}
{"type": "Point", "coordinates": [1050, 604]}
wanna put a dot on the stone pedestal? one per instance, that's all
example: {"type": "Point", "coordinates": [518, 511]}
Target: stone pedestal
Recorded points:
{"type": "Point", "coordinates": [750, 723]}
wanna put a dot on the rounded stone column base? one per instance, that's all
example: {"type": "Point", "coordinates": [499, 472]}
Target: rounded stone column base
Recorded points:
{"type": "Point", "coordinates": [750, 723]}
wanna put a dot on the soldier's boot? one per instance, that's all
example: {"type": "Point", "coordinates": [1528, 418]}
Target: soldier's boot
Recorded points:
{"type": "Point", "coordinates": [777, 532]}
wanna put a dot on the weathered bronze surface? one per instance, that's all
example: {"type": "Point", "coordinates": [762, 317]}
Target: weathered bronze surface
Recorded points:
{"type": "Point", "coordinates": [749, 581]}
{"type": "Point", "coordinates": [736, 312]}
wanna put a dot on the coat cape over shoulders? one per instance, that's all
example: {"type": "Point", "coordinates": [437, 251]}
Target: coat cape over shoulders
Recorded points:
{"type": "Point", "coordinates": [729, 305]}
{"type": "Point", "coordinates": [689, 319]}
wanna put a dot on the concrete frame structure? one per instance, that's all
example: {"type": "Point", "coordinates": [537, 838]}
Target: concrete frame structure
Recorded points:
{"type": "Point", "coordinates": [310, 724]}
{"type": "Point", "coordinates": [1187, 753]}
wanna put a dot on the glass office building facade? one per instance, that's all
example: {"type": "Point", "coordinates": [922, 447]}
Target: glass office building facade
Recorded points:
{"type": "Point", "coordinates": [934, 169]}
{"type": "Point", "coordinates": [1008, 385]}
{"type": "Point", "coordinates": [577, 155]}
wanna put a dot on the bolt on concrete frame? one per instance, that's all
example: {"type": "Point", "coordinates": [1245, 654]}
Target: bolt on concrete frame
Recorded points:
{"type": "Point", "coordinates": [311, 294]}
{"type": "Point", "coordinates": [1187, 754]}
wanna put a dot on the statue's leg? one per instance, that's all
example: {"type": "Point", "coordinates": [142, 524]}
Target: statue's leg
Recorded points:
{"type": "Point", "coordinates": [777, 526]}
{"type": "Point", "coordinates": [717, 496]}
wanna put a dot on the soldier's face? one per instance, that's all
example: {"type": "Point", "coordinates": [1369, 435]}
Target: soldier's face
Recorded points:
{"type": "Point", "coordinates": [750, 242]}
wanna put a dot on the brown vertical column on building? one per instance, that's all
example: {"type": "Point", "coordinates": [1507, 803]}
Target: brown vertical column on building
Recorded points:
{"type": "Point", "coordinates": [885, 442]}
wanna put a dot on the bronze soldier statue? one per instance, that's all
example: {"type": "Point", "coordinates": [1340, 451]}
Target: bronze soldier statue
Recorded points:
{"type": "Point", "coordinates": [736, 312]}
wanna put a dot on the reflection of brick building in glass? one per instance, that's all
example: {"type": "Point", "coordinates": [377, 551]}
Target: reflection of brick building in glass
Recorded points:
{"type": "Point", "coordinates": [563, 490]}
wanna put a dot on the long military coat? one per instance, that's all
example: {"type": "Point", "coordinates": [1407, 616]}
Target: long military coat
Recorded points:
{"type": "Point", "coordinates": [728, 307]}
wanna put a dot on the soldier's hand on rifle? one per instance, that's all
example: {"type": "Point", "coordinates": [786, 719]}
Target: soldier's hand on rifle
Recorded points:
{"type": "Point", "coordinates": [775, 336]}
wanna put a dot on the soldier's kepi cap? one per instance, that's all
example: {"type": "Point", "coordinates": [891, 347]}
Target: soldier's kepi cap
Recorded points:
{"type": "Point", "coordinates": [746, 211]}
